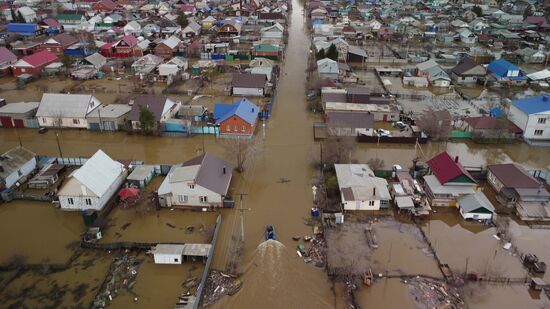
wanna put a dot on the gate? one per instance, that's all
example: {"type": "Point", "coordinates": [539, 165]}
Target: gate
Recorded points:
{"type": "Point", "coordinates": [19, 123]}
{"type": "Point", "coordinates": [6, 122]}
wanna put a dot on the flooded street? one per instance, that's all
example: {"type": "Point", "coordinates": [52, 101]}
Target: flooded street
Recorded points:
{"type": "Point", "coordinates": [273, 275]}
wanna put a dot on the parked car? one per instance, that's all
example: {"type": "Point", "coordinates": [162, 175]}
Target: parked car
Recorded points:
{"type": "Point", "coordinates": [400, 125]}
{"type": "Point", "coordinates": [382, 132]}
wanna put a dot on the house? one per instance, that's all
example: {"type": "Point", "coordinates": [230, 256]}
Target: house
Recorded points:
{"type": "Point", "coordinates": [69, 21]}
{"type": "Point", "coordinates": [146, 64]}
{"type": "Point", "coordinates": [449, 180]}
{"type": "Point", "coordinates": [530, 55]}
{"type": "Point", "coordinates": [124, 48]}
{"type": "Point", "coordinates": [266, 50]}
{"type": "Point", "coordinates": [141, 176]}
{"type": "Point", "coordinates": [272, 32]}
{"type": "Point", "coordinates": [475, 206]}
{"type": "Point", "coordinates": [487, 127]}
{"type": "Point", "coordinates": [356, 54]}
{"type": "Point", "coordinates": [34, 64]}
{"type": "Point", "coordinates": [132, 27]}
{"type": "Point", "coordinates": [230, 28]}
{"type": "Point", "coordinates": [360, 189]}
{"type": "Point", "coordinates": [468, 72]}
{"type": "Point", "coordinates": [532, 115]}
{"type": "Point", "coordinates": [104, 6]}
{"type": "Point", "coordinates": [373, 25]}
{"type": "Point", "coordinates": [244, 84]}
{"type": "Point", "coordinates": [328, 68]}
{"type": "Point", "coordinates": [173, 66]}
{"type": "Point", "coordinates": [93, 184]}
{"type": "Point", "coordinates": [95, 60]}
{"type": "Point", "coordinates": [466, 36]}
{"type": "Point", "coordinates": [167, 48]}
{"type": "Point", "coordinates": [504, 71]}
{"type": "Point", "coordinates": [28, 14]}
{"type": "Point", "coordinates": [436, 76]}
{"type": "Point", "coordinates": [271, 18]}
{"type": "Point", "coordinates": [18, 115]}
{"type": "Point", "coordinates": [161, 107]}
{"type": "Point", "coordinates": [51, 26]}
{"type": "Point", "coordinates": [7, 59]}
{"type": "Point", "coordinates": [201, 182]}
{"type": "Point", "coordinates": [192, 29]}
{"type": "Point", "coordinates": [237, 119]}
{"type": "Point", "coordinates": [208, 22]}
{"type": "Point", "coordinates": [342, 123]}
{"type": "Point", "coordinates": [66, 110]}
{"type": "Point", "coordinates": [110, 117]}
{"type": "Point", "coordinates": [15, 165]}
{"type": "Point", "coordinates": [57, 44]}
{"type": "Point", "coordinates": [518, 189]}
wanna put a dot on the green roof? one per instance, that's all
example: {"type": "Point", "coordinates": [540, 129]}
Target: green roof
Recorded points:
{"type": "Point", "coordinates": [69, 17]}
{"type": "Point", "coordinates": [266, 48]}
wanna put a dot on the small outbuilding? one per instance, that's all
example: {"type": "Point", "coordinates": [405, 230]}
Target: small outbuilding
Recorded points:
{"type": "Point", "coordinates": [141, 176]}
{"type": "Point", "coordinates": [168, 254]}
{"type": "Point", "coordinates": [476, 206]}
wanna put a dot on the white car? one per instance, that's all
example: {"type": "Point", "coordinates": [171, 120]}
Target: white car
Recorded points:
{"type": "Point", "coordinates": [382, 132]}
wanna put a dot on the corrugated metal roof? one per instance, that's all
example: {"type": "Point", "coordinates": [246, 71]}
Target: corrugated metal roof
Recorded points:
{"type": "Point", "coordinates": [16, 108]}
{"type": "Point", "coordinates": [475, 201]}
{"type": "Point", "coordinates": [14, 159]}
{"type": "Point", "coordinates": [64, 105]}
{"type": "Point", "coordinates": [533, 105]}
{"type": "Point", "coordinates": [513, 176]}
{"type": "Point", "coordinates": [242, 108]}
{"type": "Point", "coordinates": [99, 173]}
{"type": "Point", "coordinates": [446, 169]}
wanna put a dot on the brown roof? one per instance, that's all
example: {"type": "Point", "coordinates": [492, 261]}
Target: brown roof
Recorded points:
{"type": "Point", "coordinates": [350, 120]}
{"type": "Point", "coordinates": [65, 39]}
{"type": "Point", "coordinates": [513, 176]}
{"type": "Point", "coordinates": [155, 104]}
{"type": "Point", "coordinates": [487, 122]}
{"type": "Point", "coordinates": [271, 16]}
{"type": "Point", "coordinates": [243, 80]}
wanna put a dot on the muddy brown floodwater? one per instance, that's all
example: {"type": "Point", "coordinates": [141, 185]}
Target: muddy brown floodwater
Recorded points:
{"type": "Point", "coordinates": [273, 275]}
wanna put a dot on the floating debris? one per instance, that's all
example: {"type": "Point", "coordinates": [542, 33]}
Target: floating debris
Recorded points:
{"type": "Point", "coordinates": [431, 293]}
{"type": "Point", "coordinates": [219, 284]}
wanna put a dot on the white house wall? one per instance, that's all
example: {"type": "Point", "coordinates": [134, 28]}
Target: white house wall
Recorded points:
{"type": "Point", "coordinates": [361, 205]}
{"type": "Point", "coordinates": [97, 202]}
{"type": "Point", "coordinates": [532, 125]}
{"type": "Point", "coordinates": [518, 117]}
{"type": "Point", "coordinates": [51, 122]}
{"type": "Point", "coordinates": [259, 92]}
{"type": "Point", "coordinates": [25, 170]}
{"type": "Point", "coordinates": [193, 195]}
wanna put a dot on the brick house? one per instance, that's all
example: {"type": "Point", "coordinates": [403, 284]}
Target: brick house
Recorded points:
{"type": "Point", "coordinates": [124, 48]}
{"type": "Point", "coordinates": [104, 6]}
{"type": "Point", "coordinates": [237, 119]}
{"type": "Point", "coordinates": [167, 48]}
{"type": "Point", "coordinates": [57, 44]}
{"type": "Point", "coordinates": [34, 63]}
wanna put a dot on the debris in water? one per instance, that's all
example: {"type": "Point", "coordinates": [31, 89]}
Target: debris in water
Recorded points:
{"type": "Point", "coordinates": [219, 284]}
{"type": "Point", "coordinates": [125, 226]}
{"type": "Point", "coordinates": [171, 225]}
{"type": "Point", "coordinates": [296, 237]}
{"type": "Point", "coordinates": [431, 293]}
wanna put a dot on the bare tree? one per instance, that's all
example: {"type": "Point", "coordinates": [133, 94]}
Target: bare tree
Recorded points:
{"type": "Point", "coordinates": [338, 149]}
{"type": "Point", "coordinates": [437, 124]}
{"type": "Point", "coordinates": [240, 149]}
{"type": "Point", "coordinates": [376, 164]}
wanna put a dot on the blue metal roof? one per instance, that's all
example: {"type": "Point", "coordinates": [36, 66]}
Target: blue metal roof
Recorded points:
{"type": "Point", "coordinates": [22, 28]}
{"type": "Point", "coordinates": [496, 112]}
{"type": "Point", "coordinates": [533, 105]}
{"type": "Point", "coordinates": [500, 67]}
{"type": "Point", "coordinates": [243, 108]}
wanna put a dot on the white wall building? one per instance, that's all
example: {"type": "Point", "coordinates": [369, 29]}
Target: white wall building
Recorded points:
{"type": "Point", "coordinates": [93, 184]}
{"type": "Point", "coordinates": [360, 189]}
{"type": "Point", "coordinates": [532, 115]}
{"type": "Point", "coordinates": [65, 110]}
{"type": "Point", "coordinates": [15, 164]}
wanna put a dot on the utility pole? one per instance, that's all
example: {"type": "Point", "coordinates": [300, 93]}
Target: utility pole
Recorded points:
{"type": "Point", "coordinates": [242, 210]}
{"type": "Point", "coordinates": [58, 145]}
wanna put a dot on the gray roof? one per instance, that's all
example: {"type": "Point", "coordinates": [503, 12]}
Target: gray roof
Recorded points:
{"type": "Point", "coordinates": [16, 108]}
{"type": "Point", "coordinates": [64, 105]}
{"type": "Point", "coordinates": [210, 173]}
{"type": "Point", "coordinates": [196, 249]}
{"type": "Point", "coordinates": [97, 60]}
{"type": "Point", "coordinates": [475, 201]}
{"type": "Point", "coordinates": [172, 249]}
{"type": "Point", "coordinates": [350, 120]}
{"type": "Point", "coordinates": [110, 111]}
{"type": "Point", "coordinates": [13, 159]}
{"type": "Point", "coordinates": [141, 172]}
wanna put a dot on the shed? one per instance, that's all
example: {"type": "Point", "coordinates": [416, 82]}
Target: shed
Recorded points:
{"type": "Point", "coordinates": [168, 253]}
{"type": "Point", "coordinates": [404, 203]}
{"type": "Point", "coordinates": [141, 176]}
{"type": "Point", "coordinates": [15, 114]}
{"type": "Point", "coordinates": [193, 252]}
{"type": "Point", "coordinates": [476, 206]}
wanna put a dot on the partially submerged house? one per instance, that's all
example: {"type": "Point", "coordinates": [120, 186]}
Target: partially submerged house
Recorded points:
{"type": "Point", "coordinates": [201, 182]}
{"type": "Point", "coordinates": [66, 110]}
{"type": "Point", "coordinates": [449, 180]}
{"type": "Point", "coordinates": [360, 189]}
{"type": "Point", "coordinates": [468, 72]}
{"type": "Point", "coordinates": [161, 107]}
{"type": "Point", "coordinates": [341, 123]}
{"type": "Point", "coordinates": [475, 206]}
{"type": "Point", "coordinates": [93, 184]}
{"type": "Point", "coordinates": [244, 84]}
{"type": "Point", "coordinates": [532, 115]}
{"type": "Point", "coordinates": [18, 115]}
{"type": "Point", "coordinates": [15, 164]}
{"type": "Point", "coordinates": [237, 119]}
{"type": "Point", "coordinates": [436, 76]}
{"type": "Point", "coordinates": [34, 64]}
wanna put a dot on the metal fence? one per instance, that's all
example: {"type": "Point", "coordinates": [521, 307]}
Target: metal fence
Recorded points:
{"type": "Point", "coordinates": [196, 305]}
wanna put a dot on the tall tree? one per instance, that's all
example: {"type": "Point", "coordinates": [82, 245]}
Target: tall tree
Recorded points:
{"type": "Point", "coordinates": [332, 52]}
{"type": "Point", "coordinates": [182, 20]}
{"type": "Point", "coordinates": [239, 150]}
{"type": "Point", "coordinates": [67, 62]}
{"type": "Point", "coordinates": [477, 10]}
{"type": "Point", "coordinates": [146, 119]}
{"type": "Point", "coordinates": [320, 54]}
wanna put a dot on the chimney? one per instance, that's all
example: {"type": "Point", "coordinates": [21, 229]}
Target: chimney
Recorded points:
{"type": "Point", "coordinates": [224, 170]}
{"type": "Point", "coordinates": [456, 159]}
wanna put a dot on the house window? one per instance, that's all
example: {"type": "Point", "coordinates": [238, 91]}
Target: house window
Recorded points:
{"type": "Point", "coordinates": [538, 132]}
{"type": "Point", "coordinates": [23, 70]}
{"type": "Point", "coordinates": [92, 104]}
{"type": "Point", "coordinates": [88, 202]}
{"type": "Point", "coordinates": [203, 199]}
{"type": "Point", "coordinates": [243, 129]}
{"type": "Point", "coordinates": [70, 201]}
{"type": "Point", "coordinates": [542, 120]}
{"type": "Point", "coordinates": [76, 121]}
{"type": "Point", "coordinates": [182, 198]}
{"type": "Point", "coordinates": [236, 128]}
{"type": "Point", "coordinates": [19, 173]}
{"type": "Point", "coordinates": [176, 260]}
{"type": "Point", "coordinates": [371, 203]}
{"type": "Point", "coordinates": [228, 128]}
{"type": "Point", "coordinates": [191, 186]}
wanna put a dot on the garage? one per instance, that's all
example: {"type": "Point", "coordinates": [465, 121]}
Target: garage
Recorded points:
{"type": "Point", "coordinates": [19, 123]}
{"type": "Point", "coordinates": [6, 122]}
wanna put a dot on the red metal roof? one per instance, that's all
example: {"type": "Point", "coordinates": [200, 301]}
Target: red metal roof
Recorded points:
{"type": "Point", "coordinates": [446, 169]}
{"type": "Point", "coordinates": [40, 58]}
